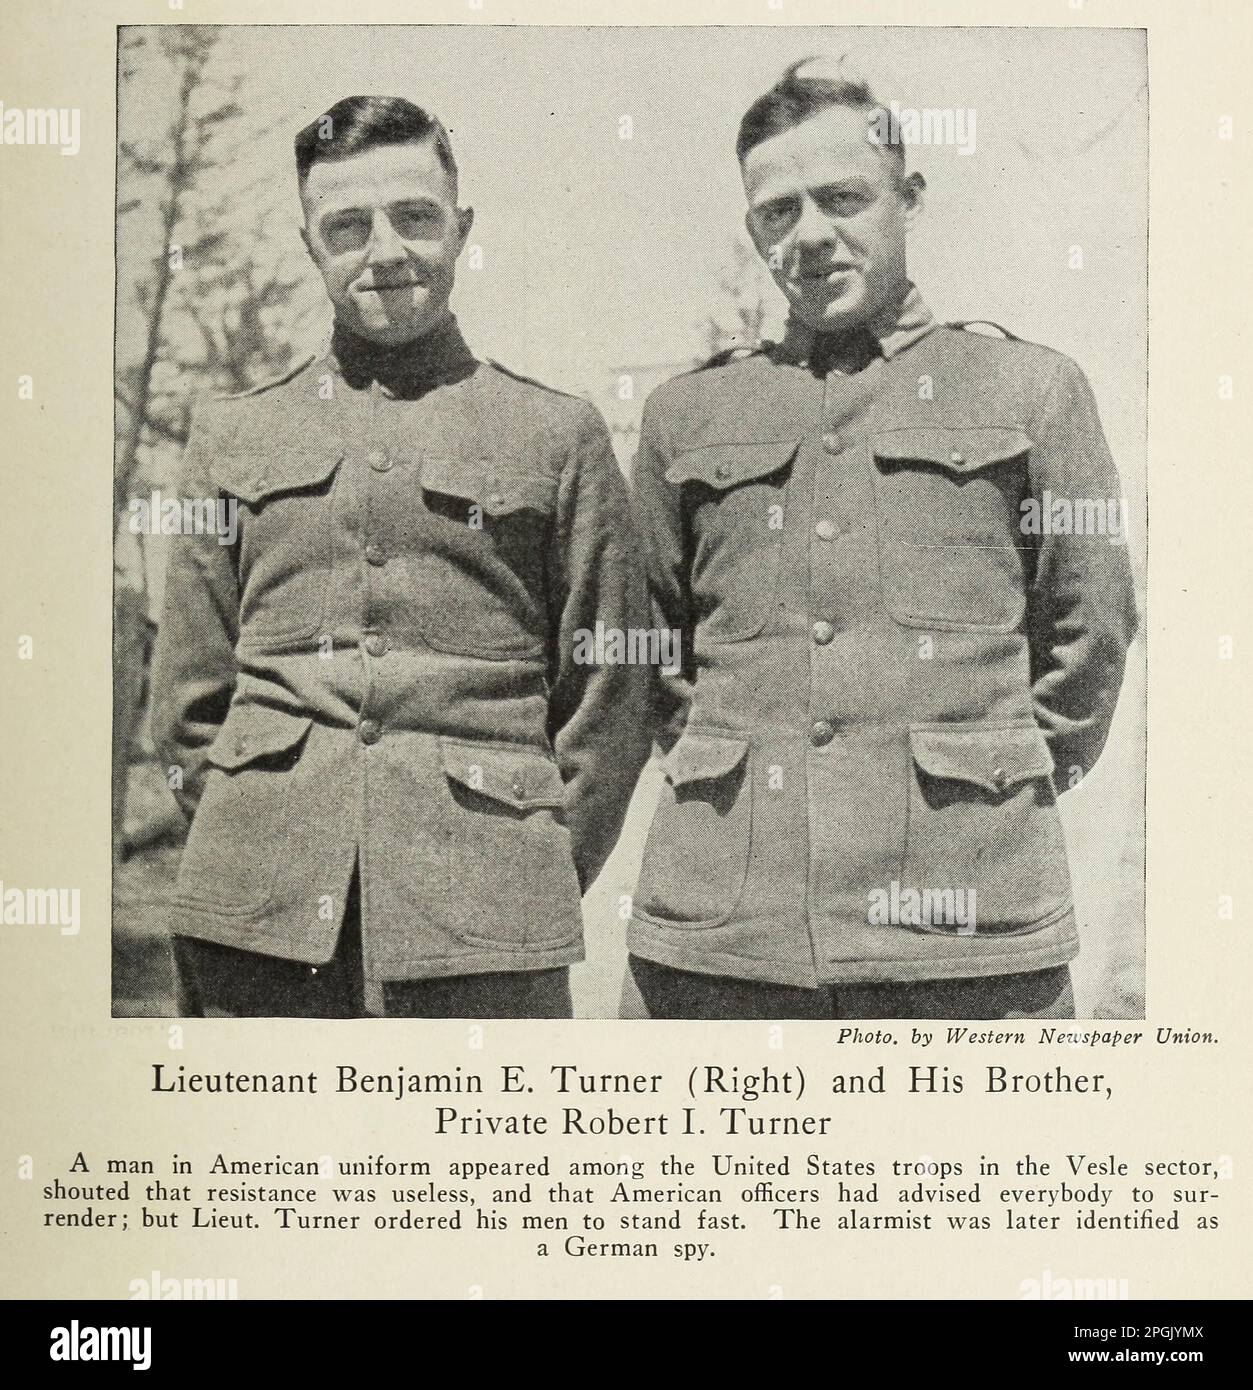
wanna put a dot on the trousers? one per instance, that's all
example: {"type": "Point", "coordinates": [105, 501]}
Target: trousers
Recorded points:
{"type": "Point", "coordinates": [671, 993]}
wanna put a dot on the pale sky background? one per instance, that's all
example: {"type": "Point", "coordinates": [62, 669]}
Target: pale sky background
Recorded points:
{"type": "Point", "coordinates": [601, 253]}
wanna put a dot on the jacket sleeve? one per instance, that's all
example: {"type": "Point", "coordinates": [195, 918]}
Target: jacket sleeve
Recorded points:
{"type": "Point", "coordinates": [1081, 605]}
{"type": "Point", "coordinates": [597, 710]}
{"type": "Point", "coordinates": [194, 663]}
{"type": "Point", "coordinates": [659, 507]}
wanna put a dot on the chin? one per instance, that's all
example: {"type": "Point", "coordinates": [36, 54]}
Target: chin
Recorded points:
{"type": "Point", "coordinates": [833, 315]}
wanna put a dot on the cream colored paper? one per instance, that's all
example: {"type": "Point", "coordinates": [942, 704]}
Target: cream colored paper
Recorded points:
{"type": "Point", "coordinates": [603, 293]}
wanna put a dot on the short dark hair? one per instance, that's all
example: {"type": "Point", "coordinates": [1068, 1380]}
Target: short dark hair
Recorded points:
{"type": "Point", "coordinates": [794, 99]}
{"type": "Point", "coordinates": [359, 123]}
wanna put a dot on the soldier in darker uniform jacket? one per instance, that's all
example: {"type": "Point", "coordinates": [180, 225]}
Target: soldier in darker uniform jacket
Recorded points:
{"type": "Point", "coordinates": [400, 776]}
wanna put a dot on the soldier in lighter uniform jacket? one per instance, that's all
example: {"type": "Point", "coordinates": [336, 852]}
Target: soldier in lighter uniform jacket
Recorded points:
{"type": "Point", "coordinates": [890, 673]}
{"type": "Point", "coordinates": [400, 776]}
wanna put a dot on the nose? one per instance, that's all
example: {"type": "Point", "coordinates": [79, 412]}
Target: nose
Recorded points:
{"type": "Point", "coordinates": [813, 227]}
{"type": "Point", "coordinates": [385, 246]}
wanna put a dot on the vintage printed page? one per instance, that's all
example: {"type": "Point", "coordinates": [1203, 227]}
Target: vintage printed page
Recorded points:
{"type": "Point", "coordinates": [623, 648]}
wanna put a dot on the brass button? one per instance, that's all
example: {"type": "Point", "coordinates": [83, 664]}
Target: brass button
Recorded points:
{"type": "Point", "coordinates": [518, 786]}
{"type": "Point", "coordinates": [495, 499]}
{"type": "Point", "coordinates": [999, 778]}
{"type": "Point", "coordinates": [957, 456]}
{"type": "Point", "coordinates": [375, 554]}
{"type": "Point", "coordinates": [823, 633]}
{"type": "Point", "coordinates": [721, 472]}
{"type": "Point", "coordinates": [241, 745]}
{"type": "Point", "coordinates": [832, 442]}
{"type": "Point", "coordinates": [260, 481]}
{"type": "Point", "coordinates": [378, 460]}
{"type": "Point", "coordinates": [821, 733]}
{"type": "Point", "coordinates": [370, 730]}
{"type": "Point", "coordinates": [825, 529]}
{"type": "Point", "coordinates": [377, 645]}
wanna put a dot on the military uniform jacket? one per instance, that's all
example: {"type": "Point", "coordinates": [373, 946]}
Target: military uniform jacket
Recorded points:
{"type": "Point", "coordinates": [382, 665]}
{"type": "Point", "coordinates": [886, 679]}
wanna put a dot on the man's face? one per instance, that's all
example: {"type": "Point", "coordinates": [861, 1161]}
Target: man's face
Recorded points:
{"type": "Point", "coordinates": [826, 214]}
{"type": "Point", "coordinates": [384, 229]}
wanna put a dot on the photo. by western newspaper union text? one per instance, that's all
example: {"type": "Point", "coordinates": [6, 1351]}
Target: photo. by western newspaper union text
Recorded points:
{"type": "Point", "coordinates": [630, 522]}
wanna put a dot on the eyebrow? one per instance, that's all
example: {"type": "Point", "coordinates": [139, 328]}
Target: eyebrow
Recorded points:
{"type": "Point", "coordinates": [854, 184]}
{"type": "Point", "coordinates": [419, 200]}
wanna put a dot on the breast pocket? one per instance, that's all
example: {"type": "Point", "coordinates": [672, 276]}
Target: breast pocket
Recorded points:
{"type": "Point", "coordinates": [238, 836]}
{"type": "Point", "coordinates": [984, 844]}
{"type": "Point", "coordinates": [284, 494]}
{"type": "Point", "coordinates": [480, 576]}
{"type": "Point", "coordinates": [512, 881]}
{"type": "Point", "coordinates": [736, 498]}
{"type": "Point", "coordinates": [696, 855]}
{"type": "Point", "coordinates": [951, 549]}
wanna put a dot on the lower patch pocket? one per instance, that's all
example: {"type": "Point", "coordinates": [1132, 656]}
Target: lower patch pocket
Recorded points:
{"type": "Point", "coordinates": [697, 852]}
{"type": "Point", "coordinates": [512, 881]}
{"type": "Point", "coordinates": [238, 835]}
{"type": "Point", "coordinates": [984, 851]}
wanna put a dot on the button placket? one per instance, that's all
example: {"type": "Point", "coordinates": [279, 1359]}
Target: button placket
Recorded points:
{"type": "Point", "coordinates": [379, 459]}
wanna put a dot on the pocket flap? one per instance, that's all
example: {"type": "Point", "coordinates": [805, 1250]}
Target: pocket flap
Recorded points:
{"type": "Point", "coordinates": [956, 450]}
{"type": "Point", "coordinates": [993, 758]}
{"type": "Point", "coordinates": [518, 777]}
{"type": "Point", "coordinates": [700, 757]}
{"type": "Point", "coordinates": [269, 467]}
{"type": "Point", "coordinates": [725, 465]}
{"type": "Point", "coordinates": [255, 731]}
{"type": "Point", "coordinates": [484, 483]}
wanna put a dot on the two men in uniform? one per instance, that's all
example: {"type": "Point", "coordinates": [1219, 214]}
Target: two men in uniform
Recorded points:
{"type": "Point", "coordinates": [885, 684]}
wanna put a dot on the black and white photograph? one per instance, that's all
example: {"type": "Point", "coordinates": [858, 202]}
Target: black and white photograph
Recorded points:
{"type": "Point", "coordinates": [634, 523]}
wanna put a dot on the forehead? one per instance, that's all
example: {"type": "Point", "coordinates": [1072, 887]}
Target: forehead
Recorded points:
{"type": "Point", "coordinates": [827, 148]}
{"type": "Point", "coordinates": [376, 177]}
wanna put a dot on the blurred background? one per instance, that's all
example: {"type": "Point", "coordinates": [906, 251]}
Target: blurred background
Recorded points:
{"type": "Point", "coordinates": [607, 255]}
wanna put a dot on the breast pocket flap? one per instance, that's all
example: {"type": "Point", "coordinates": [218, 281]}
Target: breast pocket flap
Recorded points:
{"type": "Point", "coordinates": [726, 465]}
{"type": "Point", "coordinates": [958, 451]}
{"type": "Point", "coordinates": [278, 466]}
{"type": "Point", "coordinates": [519, 778]}
{"type": "Point", "coordinates": [703, 757]}
{"type": "Point", "coordinates": [483, 483]}
{"type": "Point", "coordinates": [252, 732]}
{"type": "Point", "coordinates": [995, 759]}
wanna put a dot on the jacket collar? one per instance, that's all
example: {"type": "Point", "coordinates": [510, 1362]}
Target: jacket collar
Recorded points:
{"type": "Point", "coordinates": [439, 356]}
{"type": "Point", "coordinates": [898, 327]}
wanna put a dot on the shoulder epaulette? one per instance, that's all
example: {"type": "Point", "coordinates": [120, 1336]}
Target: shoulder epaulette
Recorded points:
{"type": "Point", "coordinates": [268, 385]}
{"type": "Point", "coordinates": [530, 380]}
{"type": "Point", "coordinates": [732, 354]}
{"type": "Point", "coordinates": [968, 323]}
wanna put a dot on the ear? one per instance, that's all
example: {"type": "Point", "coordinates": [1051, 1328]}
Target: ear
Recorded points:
{"type": "Point", "coordinates": [465, 220]}
{"type": "Point", "coordinates": [912, 199]}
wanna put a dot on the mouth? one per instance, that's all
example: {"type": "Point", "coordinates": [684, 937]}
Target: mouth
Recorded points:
{"type": "Point", "coordinates": [826, 275]}
{"type": "Point", "coordinates": [381, 286]}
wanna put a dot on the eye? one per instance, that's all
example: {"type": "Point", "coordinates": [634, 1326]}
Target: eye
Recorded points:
{"type": "Point", "coordinates": [844, 202]}
{"type": "Point", "coordinates": [777, 215]}
{"type": "Point", "coordinates": [346, 231]}
{"type": "Point", "coordinates": [412, 221]}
